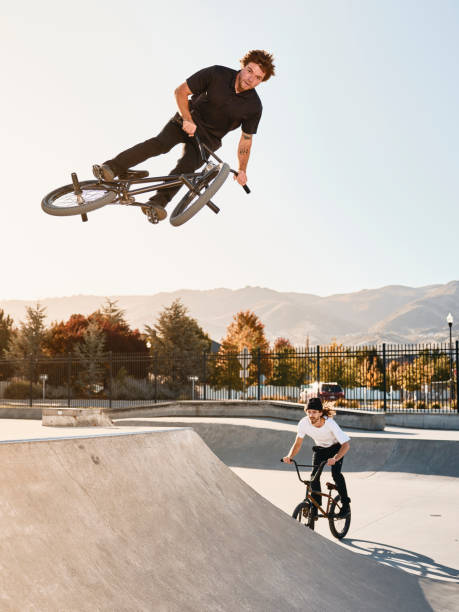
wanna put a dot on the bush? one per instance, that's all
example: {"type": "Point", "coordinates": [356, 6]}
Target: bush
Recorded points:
{"type": "Point", "coordinates": [21, 390]}
{"type": "Point", "coordinates": [58, 392]}
{"type": "Point", "coordinates": [408, 404]}
{"type": "Point", "coordinates": [420, 405]}
{"type": "Point", "coordinates": [129, 388]}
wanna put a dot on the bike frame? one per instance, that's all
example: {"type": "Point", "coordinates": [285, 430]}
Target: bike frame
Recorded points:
{"type": "Point", "coordinates": [308, 496]}
{"type": "Point", "coordinates": [123, 186]}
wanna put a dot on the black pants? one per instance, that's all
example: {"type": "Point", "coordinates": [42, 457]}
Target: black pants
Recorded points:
{"type": "Point", "coordinates": [171, 135]}
{"type": "Point", "coordinates": [322, 453]}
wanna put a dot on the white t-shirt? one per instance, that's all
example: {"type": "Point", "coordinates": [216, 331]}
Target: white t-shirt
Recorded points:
{"type": "Point", "coordinates": [330, 433]}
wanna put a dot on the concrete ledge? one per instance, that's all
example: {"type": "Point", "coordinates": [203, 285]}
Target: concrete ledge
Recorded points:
{"type": "Point", "coordinates": [32, 413]}
{"type": "Point", "coordinates": [64, 417]}
{"type": "Point", "coordinates": [423, 421]}
{"type": "Point", "coordinates": [76, 417]}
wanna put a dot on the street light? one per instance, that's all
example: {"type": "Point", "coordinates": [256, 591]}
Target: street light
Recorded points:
{"type": "Point", "coordinates": [44, 378]}
{"type": "Point", "coordinates": [449, 320]}
{"type": "Point", "coordinates": [193, 379]}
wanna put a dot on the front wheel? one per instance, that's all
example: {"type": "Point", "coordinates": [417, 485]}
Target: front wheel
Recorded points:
{"type": "Point", "coordinates": [303, 514]}
{"type": "Point", "coordinates": [192, 202]}
{"type": "Point", "coordinates": [63, 201]}
{"type": "Point", "coordinates": [338, 527]}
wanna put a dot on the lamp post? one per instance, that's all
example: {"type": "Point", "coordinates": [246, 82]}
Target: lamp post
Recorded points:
{"type": "Point", "coordinates": [450, 320]}
{"type": "Point", "coordinates": [44, 378]}
{"type": "Point", "coordinates": [193, 379]}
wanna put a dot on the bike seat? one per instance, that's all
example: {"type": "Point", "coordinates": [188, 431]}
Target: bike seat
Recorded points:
{"type": "Point", "coordinates": [133, 174]}
{"type": "Point", "coordinates": [331, 486]}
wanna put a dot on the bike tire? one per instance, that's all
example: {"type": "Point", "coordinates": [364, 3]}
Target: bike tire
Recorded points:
{"type": "Point", "coordinates": [187, 208]}
{"type": "Point", "coordinates": [340, 527]}
{"type": "Point", "coordinates": [62, 201]}
{"type": "Point", "coordinates": [302, 517]}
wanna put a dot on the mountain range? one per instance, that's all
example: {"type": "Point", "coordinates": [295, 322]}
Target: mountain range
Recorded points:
{"type": "Point", "coordinates": [393, 314]}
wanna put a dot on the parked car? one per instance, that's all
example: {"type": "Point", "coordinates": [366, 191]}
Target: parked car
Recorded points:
{"type": "Point", "coordinates": [327, 391]}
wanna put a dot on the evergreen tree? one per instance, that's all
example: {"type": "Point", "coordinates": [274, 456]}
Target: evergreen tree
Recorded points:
{"type": "Point", "coordinates": [6, 331]}
{"type": "Point", "coordinates": [112, 313]}
{"type": "Point", "coordinates": [90, 353]}
{"type": "Point", "coordinates": [177, 343]}
{"type": "Point", "coordinates": [30, 339]}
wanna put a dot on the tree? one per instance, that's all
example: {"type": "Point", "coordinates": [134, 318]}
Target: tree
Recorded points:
{"type": "Point", "coordinates": [90, 354]}
{"type": "Point", "coordinates": [336, 365]}
{"type": "Point", "coordinates": [177, 343]}
{"type": "Point", "coordinates": [27, 345]}
{"type": "Point", "coordinates": [6, 331]}
{"type": "Point", "coordinates": [6, 335]}
{"type": "Point", "coordinates": [245, 331]}
{"type": "Point", "coordinates": [118, 336]}
{"type": "Point", "coordinates": [30, 339]}
{"type": "Point", "coordinates": [285, 370]}
{"type": "Point", "coordinates": [112, 313]}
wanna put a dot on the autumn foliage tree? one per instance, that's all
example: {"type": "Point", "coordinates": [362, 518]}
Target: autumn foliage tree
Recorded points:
{"type": "Point", "coordinates": [245, 331]}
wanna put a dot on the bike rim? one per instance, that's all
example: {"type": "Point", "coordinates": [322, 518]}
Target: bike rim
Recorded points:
{"type": "Point", "coordinates": [70, 200]}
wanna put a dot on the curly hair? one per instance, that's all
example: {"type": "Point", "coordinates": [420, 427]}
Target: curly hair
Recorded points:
{"type": "Point", "coordinates": [264, 59]}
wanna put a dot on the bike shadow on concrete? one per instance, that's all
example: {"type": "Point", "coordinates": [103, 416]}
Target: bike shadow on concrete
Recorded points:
{"type": "Point", "coordinates": [404, 559]}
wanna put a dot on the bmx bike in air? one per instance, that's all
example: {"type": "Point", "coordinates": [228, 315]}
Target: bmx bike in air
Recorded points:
{"type": "Point", "coordinates": [309, 510]}
{"type": "Point", "coordinates": [83, 197]}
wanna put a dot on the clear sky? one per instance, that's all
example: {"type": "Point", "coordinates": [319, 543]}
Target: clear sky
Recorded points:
{"type": "Point", "coordinates": [354, 170]}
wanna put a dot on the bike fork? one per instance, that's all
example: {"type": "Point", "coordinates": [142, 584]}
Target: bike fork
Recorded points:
{"type": "Point", "coordinates": [78, 193]}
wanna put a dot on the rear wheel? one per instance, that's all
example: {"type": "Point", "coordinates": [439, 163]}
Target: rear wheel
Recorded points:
{"type": "Point", "coordinates": [192, 202]}
{"type": "Point", "coordinates": [302, 514]}
{"type": "Point", "coordinates": [63, 201]}
{"type": "Point", "coordinates": [338, 527]}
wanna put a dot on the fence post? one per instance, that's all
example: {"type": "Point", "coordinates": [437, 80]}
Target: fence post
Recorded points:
{"type": "Point", "coordinates": [318, 363]}
{"type": "Point", "coordinates": [69, 378]}
{"type": "Point", "coordinates": [31, 382]}
{"type": "Point", "coordinates": [204, 374]}
{"type": "Point", "coordinates": [258, 374]}
{"type": "Point", "coordinates": [155, 374]}
{"type": "Point", "coordinates": [110, 380]}
{"type": "Point", "coordinates": [457, 376]}
{"type": "Point", "coordinates": [384, 377]}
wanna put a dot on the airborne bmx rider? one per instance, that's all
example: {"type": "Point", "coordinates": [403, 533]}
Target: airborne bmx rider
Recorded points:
{"type": "Point", "coordinates": [222, 99]}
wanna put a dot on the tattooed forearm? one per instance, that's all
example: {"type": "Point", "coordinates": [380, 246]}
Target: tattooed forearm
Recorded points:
{"type": "Point", "coordinates": [244, 151]}
{"type": "Point", "coordinates": [247, 136]}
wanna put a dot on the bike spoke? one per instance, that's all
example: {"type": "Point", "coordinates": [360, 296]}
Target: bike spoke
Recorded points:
{"type": "Point", "coordinates": [88, 195]}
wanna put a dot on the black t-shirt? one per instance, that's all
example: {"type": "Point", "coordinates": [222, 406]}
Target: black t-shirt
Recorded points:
{"type": "Point", "coordinates": [216, 107]}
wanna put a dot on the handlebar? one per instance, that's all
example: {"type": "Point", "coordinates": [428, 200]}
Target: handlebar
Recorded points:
{"type": "Point", "coordinates": [317, 474]}
{"type": "Point", "coordinates": [203, 147]}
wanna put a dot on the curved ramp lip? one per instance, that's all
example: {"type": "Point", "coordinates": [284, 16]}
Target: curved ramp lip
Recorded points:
{"type": "Point", "coordinates": [101, 435]}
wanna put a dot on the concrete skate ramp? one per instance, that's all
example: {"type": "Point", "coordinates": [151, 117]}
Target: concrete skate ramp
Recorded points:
{"type": "Point", "coordinates": [155, 521]}
{"type": "Point", "coordinates": [251, 443]}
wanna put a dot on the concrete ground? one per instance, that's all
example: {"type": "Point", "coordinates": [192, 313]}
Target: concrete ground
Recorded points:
{"type": "Point", "coordinates": [403, 519]}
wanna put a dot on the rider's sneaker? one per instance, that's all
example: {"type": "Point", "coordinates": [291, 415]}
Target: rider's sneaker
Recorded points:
{"type": "Point", "coordinates": [158, 204]}
{"type": "Point", "coordinates": [344, 512]}
{"type": "Point", "coordinates": [154, 210]}
{"type": "Point", "coordinates": [104, 172]}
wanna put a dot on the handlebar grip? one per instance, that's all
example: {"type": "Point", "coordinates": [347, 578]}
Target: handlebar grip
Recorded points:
{"type": "Point", "coordinates": [246, 189]}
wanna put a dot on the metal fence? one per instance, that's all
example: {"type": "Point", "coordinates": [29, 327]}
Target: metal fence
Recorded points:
{"type": "Point", "coordinates": [414, 378]}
